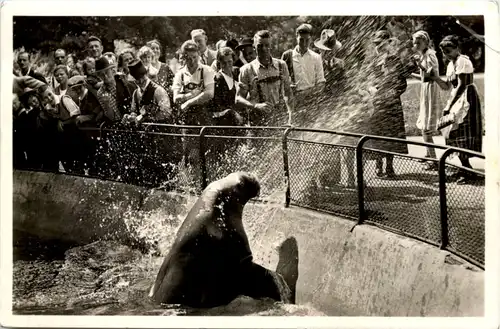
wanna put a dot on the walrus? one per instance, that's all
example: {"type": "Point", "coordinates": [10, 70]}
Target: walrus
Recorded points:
{"type": "Point", "coordinates": [210, 262]}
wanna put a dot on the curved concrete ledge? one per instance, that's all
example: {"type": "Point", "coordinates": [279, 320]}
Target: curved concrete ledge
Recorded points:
{"type": "Point", "coordinates": [368, 272]}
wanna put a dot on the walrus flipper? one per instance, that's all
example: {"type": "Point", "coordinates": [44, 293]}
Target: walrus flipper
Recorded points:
{"type": "Point", "coordinates": [258, 282]}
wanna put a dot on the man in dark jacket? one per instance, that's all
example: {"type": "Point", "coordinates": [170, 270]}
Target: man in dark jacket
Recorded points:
{"type": "Point", "coordinates": [150, 101]}
{"type": "Point", "coordinates": [85, 98]}
{"type": "Point", "coordinates": [115, 100]}
{"type": "Point", "coordinates": [158, 155]}
{"type": "Point", "coordinates": [115, 94]}
{"type": "Point", "coordinates": [246, 52]}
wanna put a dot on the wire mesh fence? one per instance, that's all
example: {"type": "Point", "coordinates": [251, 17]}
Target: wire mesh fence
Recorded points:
{"type": "Point", "coordinates": [406, 201]}
{"type": "Point", "coordinates": [466, 214]}
{"type": "Point", "coordinates": [323, 176]}
{"type": "Point", "coordinates": [247, 150]}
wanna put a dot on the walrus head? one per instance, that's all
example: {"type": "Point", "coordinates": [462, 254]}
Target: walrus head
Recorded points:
{"type": "Point", "coordinates": [246, 185]}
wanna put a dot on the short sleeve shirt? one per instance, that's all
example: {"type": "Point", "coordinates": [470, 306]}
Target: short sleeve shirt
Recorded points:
{"type": "Point", "coordinates": [429, 60]}
{"type": "Point", "coordinates": [462, 65]}
{"type": "Point", "coordinates": [264, 84]}
{"type": "Point", "coordinates": [186, 82]}
{"type": "Point", "coordinates": [307, 68]}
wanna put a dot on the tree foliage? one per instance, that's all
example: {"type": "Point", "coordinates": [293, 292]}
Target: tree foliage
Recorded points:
{"type": "Point", "coordinates": [45, 34]}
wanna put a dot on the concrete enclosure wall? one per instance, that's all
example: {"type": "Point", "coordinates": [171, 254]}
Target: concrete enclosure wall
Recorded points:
{"type": "Point", "coordinates": [366, 272]}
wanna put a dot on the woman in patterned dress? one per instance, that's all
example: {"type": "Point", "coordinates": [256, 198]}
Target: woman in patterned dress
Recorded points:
{"type": "Point", "coordinates": [164, 76]}
{"type": "Point", "coordinates": [461, 124]}
{"type": "Point", "coordinates": [430, 111]}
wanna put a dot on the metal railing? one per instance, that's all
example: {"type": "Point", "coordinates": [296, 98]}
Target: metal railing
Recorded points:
{"type": "Point", "coordinates": [418, 204]}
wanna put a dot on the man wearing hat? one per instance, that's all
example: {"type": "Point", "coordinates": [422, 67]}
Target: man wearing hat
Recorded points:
{"type": "Point", "coordinates": [150, 101]}
{"type": "Point", "coordinates": [306, 72]}
{"type": "Point", "coordinates": [207, 56]}
{"type": "Point", "coordinates": [94, 47]}
{"type": "Point", "coordinates": [115, 94]}
{"type": "Point", "coordinates": [86, 100]}
{"type": "Point", "coordinates": [115, 99]}
{"type": "Point", "coordinates": [334, 81]}
{"type": "Point", "coordinates": [246, 51]}
{"type": "Point", "coordinates": [89, 109]}
{"type": "Point", "coordinates": [334, 68]}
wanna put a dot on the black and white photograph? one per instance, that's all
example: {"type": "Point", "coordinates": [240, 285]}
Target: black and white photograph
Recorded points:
{"type": "Point", "coordinates": [216, 161]}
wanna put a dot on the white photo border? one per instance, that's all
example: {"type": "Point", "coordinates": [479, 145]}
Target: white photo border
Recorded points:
{"type": "Point", "coordinates": [489, 9]}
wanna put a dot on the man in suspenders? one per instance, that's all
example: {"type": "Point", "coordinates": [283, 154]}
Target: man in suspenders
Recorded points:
{"type": "Point", "coordinates": [264, 86]}
{"type": "Point", "coordinates": [193, 89]}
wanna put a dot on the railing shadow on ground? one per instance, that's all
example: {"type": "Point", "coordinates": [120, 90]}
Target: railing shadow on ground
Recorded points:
{"type": "Point", "coordinates": [303, 171]}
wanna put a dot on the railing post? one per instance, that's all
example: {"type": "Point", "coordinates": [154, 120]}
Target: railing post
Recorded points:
{"type": "Point", "coordinates": [442, 198]}
{"type": "Point", "coordinates": [360, 178]}
{"type": "Point", "coordinates": [203, 163]}
{"type": "Point", "coordinates": [102, 148]}
{"type": "Point", "coordinates": [286, 167]}
{"type": "Point", "coordinates": [100, 129]}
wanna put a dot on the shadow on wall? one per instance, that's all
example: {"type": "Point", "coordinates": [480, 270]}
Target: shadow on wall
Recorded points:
{"type": "Point", "coordinates": [288, 264]}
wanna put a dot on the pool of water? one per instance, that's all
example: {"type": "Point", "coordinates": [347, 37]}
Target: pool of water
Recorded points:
{"type": "Point", "coordinates": [105, 278]}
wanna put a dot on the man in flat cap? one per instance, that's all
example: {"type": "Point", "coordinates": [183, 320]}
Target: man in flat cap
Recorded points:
{"type": "Point", "coordinates": [306, 72]}
{"type": "Point", "coordinates": [85, 99]}
{"type": "Point", "coordinates": [89, 109]}
{"type": "Point", "coordinates": [207, 56]}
